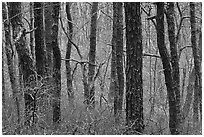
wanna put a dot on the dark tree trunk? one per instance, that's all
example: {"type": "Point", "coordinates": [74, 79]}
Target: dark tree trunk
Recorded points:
{"type": "Point", "coordinates": [173, 112]}
{"type": "Point", "coordinates": [40, 52]}
{"type": "Point", "coordinates": [68, 53]}
{"type": "Point", "coordinates": [197, 62]}
{"type": "Point", "coordinates": [134, 82]}
{"type": "Point", "coordinates": [25, 58]}
{"type": "Point", "coordinates": [57, 64]}
{"type": "Point", "coordinates": [46, 108]}
{"type": "Point", "coordinates": [174, 57]}
{"type": "Point", "coordinates": [118, 49]}
{"type": "Point", "coordinates": [90, 96]}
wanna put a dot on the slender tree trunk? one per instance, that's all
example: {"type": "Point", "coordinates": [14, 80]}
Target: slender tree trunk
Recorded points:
{"type": "Point", "coordinates": [32, 44]}
{"type": "Point", "coordinates": [134, 82]}
{"type": "Point", "coordinates": [113, 81]}
{"type": "Point", "coordinates": [174, 58]}
{"type": "Point", "coordinates": [118, 44]}
{"type": "Point", "coordinates": [57, 64]}
{"type": "Point", "coordinates": [173, 112]}
{"type": "Point", "coordinates": [197, 62]}
{"type": "Point", "coordinates": [68, 53]}
{"type": "Point", "coordinates": [92, 55]}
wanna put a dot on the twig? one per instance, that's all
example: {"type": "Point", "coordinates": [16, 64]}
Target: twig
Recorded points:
{"type": "Point", "coordinates": [80, 62]}
{"type": "Point", "coordinates": [149, 15]}
{"type": "Point", "coordinates": [30, 30]}
{"type": "Point", "coordinates": [180, 51]}
{"type": "Point", "coordinates": [151, 55]}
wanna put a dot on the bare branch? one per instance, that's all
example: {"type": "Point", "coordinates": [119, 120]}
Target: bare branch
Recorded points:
{"type": "Point", "coordinates": [151, 55]}
{"type": "Point", "coordinates": [107, 15]}
{"type": "Point", "coordinates": [77, 48]}
{"type": "Point", "coordinates": [30, 31]}
{"type": "Point", "coordinates": [152, 19]}
{"type": "Point", "coordinates": [80, 62]}
{"type": "Point", "coordinates": [180, 51]}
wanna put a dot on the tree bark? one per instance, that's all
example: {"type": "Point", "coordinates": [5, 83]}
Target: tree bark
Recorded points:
{"type": "Point", "coordinates": [118, 44]}
{"type": "Point", "coordinates": [90, 97]}
{"type": "Point", "coordinates": [57, 64]}
{"type": "Point", "coordinates": [174, 57]}
{"type": "Point", "coordinates": [197, 62]}
{"type": "Point", "coordinates": [11, 67]}
{"type": "Point", "coordinates": [40, 51]}
{"type": "Point", "coordinates": [134, 82]}
{"type": "Point", "coordinates": [68, 53]}
{"type": "Point", "coordinates": [173, 109]}
{"type": "Point", "coordinates": [25, 59]}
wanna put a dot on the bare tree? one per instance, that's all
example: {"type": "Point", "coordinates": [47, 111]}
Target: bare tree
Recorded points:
{"type": "Point", "coordinates": [173, 108]}
{"type": "Point", "coordinates": [174, 57]}
{"type": "Point", "coordinates": [134, 82]}
{"type": "Point", "coordinates": [56, 64]}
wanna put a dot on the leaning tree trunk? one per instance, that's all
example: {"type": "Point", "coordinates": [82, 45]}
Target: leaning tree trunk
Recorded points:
{"type": "Point", "coordinates": [118, 53]}
{"type": "Point", "coordinates": [174, 58]}
{"type": "Point", "coordinates": [90, 94]}
{"type": "Point", "coordinates": [134, 82]}
{"type": "Point", "coordinates": [173, 112]}
{"type": "Point", "coordinates": [25, 59]}
{"type": "Point", "coordinates": [68, 53]}
{"type": "Point", "coordinates": [56, 64]}
{"type": "Point", "coordinates": [197, 63]}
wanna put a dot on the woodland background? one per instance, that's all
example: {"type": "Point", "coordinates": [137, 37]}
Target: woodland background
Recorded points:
{"type": "Point", "coordinates": [101, 68]}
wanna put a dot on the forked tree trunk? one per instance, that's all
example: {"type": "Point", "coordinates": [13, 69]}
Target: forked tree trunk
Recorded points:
{"type": "Point", "coordinates": [134, 82]}
{"type": "Point", "coordinates": [174, 58]}
{"type": "Point", "coordinates": [173, 109]}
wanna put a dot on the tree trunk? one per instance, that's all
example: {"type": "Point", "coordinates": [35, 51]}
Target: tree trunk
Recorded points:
{"type": "Point", "coordinates": [174, 57]}
{"type": "Point", "coordinates": [197, 62]}
{"type": "Point", "coordinates": [134, 82]}
{"type": "Point", "coordinates": [40, 52]}
{"type": "Point", "coordinates": [11, 66]}
{"type": "Point", "coordinates": [118, 45]}
{"type": "Point", "coordinates": [32, 45]}
{"type": "Point", "coordinates": [57, 64]}
{"type": "Point", "coordinates": [68, 53]}
{"type": "Point", "coordinates": [90, 97]}
{"type": "Point", "coordinates": [173, 112]}
{"type": "Point", "coordinates": [25, 59]}
{"type": "Point", "coordinates": [113, 80]}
